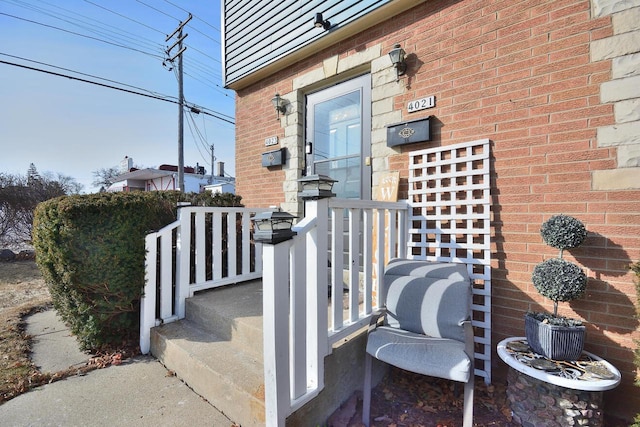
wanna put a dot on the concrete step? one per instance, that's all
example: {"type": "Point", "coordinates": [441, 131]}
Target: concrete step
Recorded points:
{"type": "Point", "coordinates": [233, 313]}
{"type": "Point", "coordinates": [223, 373]}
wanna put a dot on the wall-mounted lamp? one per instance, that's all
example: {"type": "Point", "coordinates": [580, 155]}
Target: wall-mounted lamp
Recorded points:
{"type": "Point", "coordinates": [278, 104]}
{"type": "Point", "coordinates": [397, 59]}
{"type": "Point", "coordinates": [318, 22]}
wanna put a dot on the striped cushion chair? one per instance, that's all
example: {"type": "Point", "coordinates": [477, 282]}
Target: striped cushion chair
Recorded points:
{"type": "Point", "coordinates": [427, 326]}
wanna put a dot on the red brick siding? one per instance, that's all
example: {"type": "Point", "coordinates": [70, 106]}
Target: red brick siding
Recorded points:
{"type": "Point", "coordinates": [519, 73]}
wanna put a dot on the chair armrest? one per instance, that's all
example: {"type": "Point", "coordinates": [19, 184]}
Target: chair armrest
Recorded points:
{"type": "Point", "coordinates": [375, 318]}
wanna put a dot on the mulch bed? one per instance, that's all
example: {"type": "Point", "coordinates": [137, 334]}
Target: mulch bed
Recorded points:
{"type": "Point", "coordinates": [412, 400]}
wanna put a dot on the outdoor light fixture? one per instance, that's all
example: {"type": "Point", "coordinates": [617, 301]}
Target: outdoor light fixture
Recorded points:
{"type": "Point", "coordinates": [316, 187]}
{"type": "Point", "coordinates": [318, 22]}
{"type": "Point", "coordinates": [273, 227]}
{"type": "Point", "coordinates": [278, 103]}
{"type": "Point", "coordinates": [397, 59]}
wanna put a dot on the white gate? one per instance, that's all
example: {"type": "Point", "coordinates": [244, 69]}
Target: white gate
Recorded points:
{"type": "Point", "coordinates": [449, 220]}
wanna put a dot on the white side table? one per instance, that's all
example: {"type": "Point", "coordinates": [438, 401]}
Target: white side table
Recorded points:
{"type": "Point", "coordinates": [546, 392]}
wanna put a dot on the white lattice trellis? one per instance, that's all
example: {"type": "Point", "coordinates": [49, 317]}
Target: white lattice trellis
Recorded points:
{"type": "Point", "coordinates": [449, 192]}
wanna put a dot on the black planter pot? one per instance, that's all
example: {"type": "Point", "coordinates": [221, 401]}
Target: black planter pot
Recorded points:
{"type": "Point", "coordinates": [553, 341]}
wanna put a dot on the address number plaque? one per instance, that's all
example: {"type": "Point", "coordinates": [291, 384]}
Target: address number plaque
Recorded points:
{"type": "Point", "coordinates": [421, 104]}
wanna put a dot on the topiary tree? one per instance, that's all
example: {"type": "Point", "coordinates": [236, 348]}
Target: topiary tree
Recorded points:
{"type": "Point", "coordinates": [563, 232]}
{"type": "Point", "coordinates": [556, 278]}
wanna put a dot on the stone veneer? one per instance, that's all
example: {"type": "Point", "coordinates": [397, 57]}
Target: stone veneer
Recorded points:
{"type": "Point", "coordinates": [623, 90]}
{"type": "Point", "coordinates": [535, 403]}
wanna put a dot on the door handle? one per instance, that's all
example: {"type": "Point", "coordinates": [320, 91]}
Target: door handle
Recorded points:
{"type": "Point", "coordinates": [367, 161]}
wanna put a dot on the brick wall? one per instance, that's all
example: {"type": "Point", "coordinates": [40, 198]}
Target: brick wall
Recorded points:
{"type": "Point", "coordinates": [523, 74]}
{"type": "Point", "coordinates": [256, 120]}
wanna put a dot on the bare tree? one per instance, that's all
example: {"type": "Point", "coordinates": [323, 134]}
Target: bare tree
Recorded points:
{"type": "Point", "coordinates": [104, 177]}
{"type": "Point", "coordinates": [19, 196]}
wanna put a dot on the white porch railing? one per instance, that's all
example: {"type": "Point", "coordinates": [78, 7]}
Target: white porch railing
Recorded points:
{"type": "Point", "coordinates": [204, 248]}
{"type": "Point", "coordinates": [300, 321]}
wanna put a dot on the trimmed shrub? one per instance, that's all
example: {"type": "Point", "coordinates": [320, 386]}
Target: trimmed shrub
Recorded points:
{"type": "Point", "coordinates": [90, 249]}
{"type": "Point", "coordinates": [563, 232]}
{"type": "Point", "coordinates": [559, 280]}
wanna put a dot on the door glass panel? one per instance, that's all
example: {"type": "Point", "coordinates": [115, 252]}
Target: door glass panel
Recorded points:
{"type": "Point", "coordinates": [337, 138]}
{"type": "Point", "coordinates": [347, 172]}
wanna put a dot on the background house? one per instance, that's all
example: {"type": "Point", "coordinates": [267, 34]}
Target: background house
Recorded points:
{"type": "Point", "coordinates": [554, 86]}
{"type": "Point", "coordinates": [165, 177]}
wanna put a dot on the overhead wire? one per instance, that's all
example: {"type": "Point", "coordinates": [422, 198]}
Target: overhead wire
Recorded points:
{"type": "Point", "coordinates": [88, 24]}
{"type": "Point", "coordinates": [218, 115]}
{"type": "Point", "coordinates": [196, 17]}
{"type": "Point", "coordinates": [125, 17]}
{"type": "Point", "coordinates": [116, 39]}
{"type": "Point", "coordinates": [189, 114]}
{"type": "Point", "coordinates": [200, 70]}
{"type": "Point", "coordinates": [157, 10]}
{"type": "Point", "coordinates": [87, 75]}
{"type": "Point", "coordinates": [81, 35]}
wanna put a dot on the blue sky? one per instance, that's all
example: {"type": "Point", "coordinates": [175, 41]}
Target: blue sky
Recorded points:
{"type": "Point", "coordinates": [74, 128]}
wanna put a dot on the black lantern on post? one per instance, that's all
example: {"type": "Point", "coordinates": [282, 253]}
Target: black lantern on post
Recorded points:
{"type": "Point", "coordinates": [273, 227]}
{"type": "Point", "coordinates": [316, 187]}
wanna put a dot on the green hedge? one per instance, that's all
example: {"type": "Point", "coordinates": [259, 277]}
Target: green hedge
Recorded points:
{"type": "Point", "coordinates": [90, 249]}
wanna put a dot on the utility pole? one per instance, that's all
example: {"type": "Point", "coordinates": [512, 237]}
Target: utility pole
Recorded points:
{"type": "Point", "coordinates": [213, 159]}
{"type": "Point", "coordinates": [178, 55]}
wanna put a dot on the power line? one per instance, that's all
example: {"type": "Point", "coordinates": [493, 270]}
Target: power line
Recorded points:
{"type": "Point", "coordinates": [83, 22]}
{"type": "Point", "coordinates": [85, 74]}
{"type": "Point", "coordinates": [217, 116]}
{"type": "Point", "coordinates": [193, 136]}
{"type": "Point", "coordinates": [195, 16]}
{"type": "Point", "coordinates": [157, 10]}
{"type": "Point", "coordinates": [81, 35]}
{"type": "Point", "coordinates": [89, 24]}
{"type": "Point", "coordinates": [125, 17]}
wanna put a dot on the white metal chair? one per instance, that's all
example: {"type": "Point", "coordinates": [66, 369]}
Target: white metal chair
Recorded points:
{"type": "Point", "coordinates": [427, 326]}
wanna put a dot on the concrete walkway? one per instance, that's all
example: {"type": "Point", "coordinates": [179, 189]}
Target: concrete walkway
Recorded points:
{"type": "Point", "coordinates": [140, 392]}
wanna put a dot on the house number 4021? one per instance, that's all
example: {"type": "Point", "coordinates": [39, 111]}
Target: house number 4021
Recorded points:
{"type": "Point", "coordinates": [421, 104]}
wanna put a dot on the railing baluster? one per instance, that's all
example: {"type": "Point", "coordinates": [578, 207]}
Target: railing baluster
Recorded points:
{"type": "Point", "coordinates": [230, 247]}
{"type": "Point", "coordinates": [402, 233]}
{"type": "Point", "coordinates": [367, 258]}
{"type": "Point", "coordinates": [216, 240]}
{"type": "Point", "coordinates": [201, 271]}
{"type": "Point", "coordinates": [166, 268]}
{"type": "Point", "coordinates": [337, 267]}
{"type": "Point", "coordinates": [391, 231]}
{"type": "Point", "coordinates": [379, 255]}
{"type": "Point", "coordinates": [354, 263]}
{"type": "Point", "coordinates": [246, 245]}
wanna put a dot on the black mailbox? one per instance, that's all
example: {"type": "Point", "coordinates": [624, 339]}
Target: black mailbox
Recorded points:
{"type": "Point", "coordinates": [408, 132]}
{"type": "Point", "coordinates": [273, 158]}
